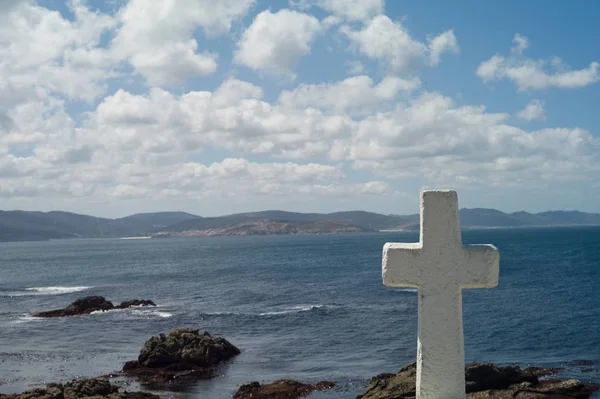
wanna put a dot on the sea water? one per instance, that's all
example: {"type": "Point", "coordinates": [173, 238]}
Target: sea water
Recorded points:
{"type": "Point", "coordinates": [309, 308]}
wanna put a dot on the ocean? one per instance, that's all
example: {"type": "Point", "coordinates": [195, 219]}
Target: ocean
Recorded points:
{"type": "Point", "coordinates": [309, 308]}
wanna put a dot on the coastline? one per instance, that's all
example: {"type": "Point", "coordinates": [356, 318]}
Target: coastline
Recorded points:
{"type": "Point", "coordinates": [205, 233]}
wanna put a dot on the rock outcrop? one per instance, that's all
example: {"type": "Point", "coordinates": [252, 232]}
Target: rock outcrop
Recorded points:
{"type": "Point", "coordinates": [485, 381]}
{"type": "Point", "coordinates": [97, 388]}
{"type": "Point", "coordinates": [181, 356]}
{"type": "Point", "coordinates": [281, 389]}
{"type": "Point", "coordinates": [135, 302]}
{"type": "Point", "coordinates": [91, 304]}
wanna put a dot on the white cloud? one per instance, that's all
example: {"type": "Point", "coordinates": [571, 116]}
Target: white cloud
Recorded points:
{"type": "Point", "coordinates": [276, 41]}
{"type": "Point", "coordinates": [353, 10]}
{"type": "Point", "coordinates": [157, 38]}
{"type": "Point", "coordinates": [132, 143]}
{"type": "Point", "coordinates": [412, 138]}
{"type": "Point", "coordinates": [386, 40]}
{"type": "Point", "coordinates": [42, 50]}
{"type": "Point", "coordinates": [443, 143]}
{"type": "Point", "coordinates": [532, 111]}
{"type": "Point", "coordinates": [521, 43]}
{"type": "Point", "coordinates": [172, 64]}
{"type": "Point", "coordinates": [355, 67]}
{"type": "Point", "coordinates": [446, 42]}
{"type": "Point", "coordinates": [530, 74]}
{"type": "Point", "coordinates": [389, 42]}
{"type": "Point", "coordinates": [489, 70]}
{"type": "Point", "coordinates": [354, 95]}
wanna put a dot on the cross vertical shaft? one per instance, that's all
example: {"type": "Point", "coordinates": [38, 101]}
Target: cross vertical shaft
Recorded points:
{"type": "Point", "coordinates": [440, 345]}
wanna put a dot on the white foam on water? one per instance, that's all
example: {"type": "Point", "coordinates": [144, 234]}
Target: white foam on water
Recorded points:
{"type": "Point", "coordinates": [296, 309]}
{"type": "Point", "coordinates": [275, 312]}
{"type": "Point", "coordinates": [151, 313]}
{"type": "Point", "coordinates": [95, 312]}
{"type": "Point", "coordinates": [138, 311]}
{"type": "Point", "coordinates": [58, 290]}
{"type": "Point", "coordinates": [26, 318]}
{"type": "Point", "coordinates": [44, 291]}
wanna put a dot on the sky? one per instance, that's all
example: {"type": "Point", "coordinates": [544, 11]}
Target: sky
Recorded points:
{"type": "Point", "coordinates": [115, 107]}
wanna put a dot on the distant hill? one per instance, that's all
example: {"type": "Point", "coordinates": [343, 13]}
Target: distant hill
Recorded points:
{"type": "Point", "coordinates": [26, 225]}
{"type": "Point", "coordinates": [489, 218]}
{"type": "Point", "coordinates": [269, 227]}
{"type": "Point", "coordinates": [365, 220]}
{"type": "Point", "coordinates": [148, 222]}
{"type": "Point", "coordinates": [483, 217]}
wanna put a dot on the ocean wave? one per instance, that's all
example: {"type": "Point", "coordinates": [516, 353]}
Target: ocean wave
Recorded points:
{"type": "Point", "coordinates": [151, 313]}
{"type": "Point", "coordinates": [297, 309]}
{"type": "Point", "coordinates": [45, 291]}
{"type": "Point", "coordinates": [26, 318]}
{"type": "Point", "coordinates": [138, 311]}
{"type": "Point", "coordinates": [96, 312]}
{"type": "Point", "coordinates": [275, 312]}
{"type": "Point", "coordinates": [224, 314]}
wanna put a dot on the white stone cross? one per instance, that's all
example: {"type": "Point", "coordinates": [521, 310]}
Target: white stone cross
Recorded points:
{"type": "Point", "coordinates": [440, 267]}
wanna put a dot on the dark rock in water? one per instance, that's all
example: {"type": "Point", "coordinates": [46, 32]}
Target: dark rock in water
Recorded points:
{"type": "Point", "coordinates": [91, 304]}
{"type": "Point", "coordinates": [182, 356]}
{"type": "Point", "coordinates": [282, 389]}
{"type": "Point", "coordinates": [86, 388]}
{"type": "Point", "coordinates": [135, 302]}
{"type": "Point", "coordinates": [81, 306]}
{"type": "Point", "coordinates": [542, 371]}
{"type": "Point", "coordinates": [481, 377]}
{"type": "Point", "coordinates": [393, 386]}
{"type": "Point", "coordinates": [485, 381]}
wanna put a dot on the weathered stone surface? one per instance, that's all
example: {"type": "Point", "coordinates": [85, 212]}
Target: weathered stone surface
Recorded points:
{"type": "Point", "coordinates": [91, 388]}
{"type": "Point", "coordinates": [281, 389]}
{"type": "Point", "coordinates": [91, 304]}
{"type": "Point", "coordinates": [182, 355]}
{"type": "Point", "coordinates": [485, 381]}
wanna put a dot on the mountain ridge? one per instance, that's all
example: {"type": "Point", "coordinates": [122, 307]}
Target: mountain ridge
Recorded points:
{"type": "Point", "coordinates": [35, 225]}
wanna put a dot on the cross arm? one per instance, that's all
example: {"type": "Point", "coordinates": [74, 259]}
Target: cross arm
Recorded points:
{"type": "Point", "coordinates": [481, 266]}
{"type": "Point", "coordinates": [400, 267]}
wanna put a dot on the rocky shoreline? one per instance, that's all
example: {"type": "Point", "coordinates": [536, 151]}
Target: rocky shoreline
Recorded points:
{"type": "Point", "coordinates": [483, 381]}
{"type": "Point", "coordinates": [486, 381]}
{"type": "Point", "coordinates": [175, 361]}
{"type": "Point", "coordinates": [84, 388]}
